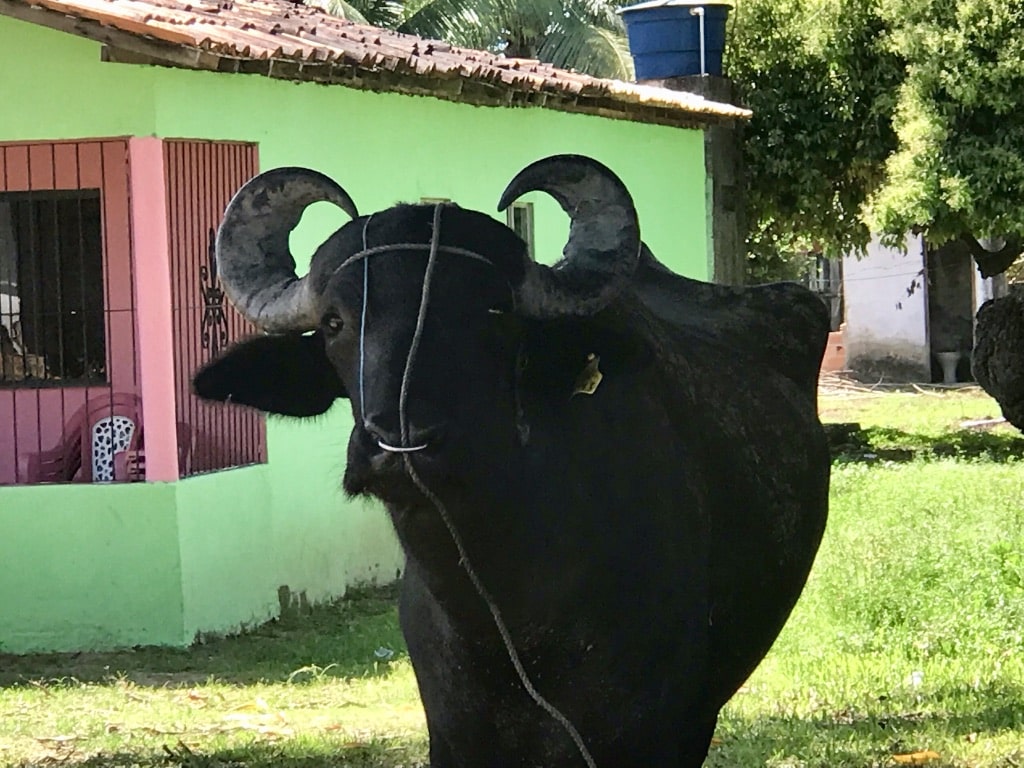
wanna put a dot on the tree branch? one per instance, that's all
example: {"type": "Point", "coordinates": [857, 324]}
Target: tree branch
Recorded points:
{"type": "Point", "coordinates": [992, 263]}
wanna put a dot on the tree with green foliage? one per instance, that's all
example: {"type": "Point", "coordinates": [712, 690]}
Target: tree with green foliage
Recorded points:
{"type": "Point", "coordinates": [882, 116]}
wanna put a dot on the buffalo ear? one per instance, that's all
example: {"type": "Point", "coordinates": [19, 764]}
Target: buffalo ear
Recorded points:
{"type": "Point", "coordinates": [288, 375]}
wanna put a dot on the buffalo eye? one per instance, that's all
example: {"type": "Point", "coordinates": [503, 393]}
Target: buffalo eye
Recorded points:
{"type": "Point", "coordinates": [333, 323]}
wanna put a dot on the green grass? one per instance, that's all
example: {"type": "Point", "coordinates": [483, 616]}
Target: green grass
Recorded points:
{"type": "Point", "coordinates": [907, 425]}
{"type": "Point", "coordinates": [908, 637]}
{"type": "Point", "coordinates": [906, 645]}
{"type": "Point", "coordinates": [332, 688]}
{"type": "Point", "coordinates": [922, 410]}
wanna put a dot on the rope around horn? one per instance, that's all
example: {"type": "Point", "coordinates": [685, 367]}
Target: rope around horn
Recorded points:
{"type": "Point", "coordinates": [442, 511]}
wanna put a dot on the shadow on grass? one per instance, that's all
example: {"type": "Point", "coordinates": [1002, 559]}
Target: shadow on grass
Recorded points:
{"type": "Point", "coordinates": [850, 739]}
{"type": "Point", "coordinates": [851, 443]}
{"type": "Point", "coordinates": [377, 753]}
{"type": "Point", "coordinates": [346, 638]}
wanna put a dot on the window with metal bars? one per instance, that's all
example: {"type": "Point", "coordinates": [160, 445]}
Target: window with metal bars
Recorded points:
{"type": "Point", "coordinates": [51, 289]}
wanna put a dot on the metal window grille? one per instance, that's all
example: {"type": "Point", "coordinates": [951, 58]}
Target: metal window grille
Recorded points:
{"type": "Point", "coordinates": [201, 179]}
{"type": "Point", "coordinates": [51, 288]}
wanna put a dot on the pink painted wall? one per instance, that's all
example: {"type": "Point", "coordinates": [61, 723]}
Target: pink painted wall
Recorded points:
{"type": "Point", "coordinates": [153, 306]}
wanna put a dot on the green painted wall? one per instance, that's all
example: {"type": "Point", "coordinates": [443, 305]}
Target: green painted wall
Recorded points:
{"type": "Point", "coordinates": [84, 567]}
{"type": "Point", "coordinates": [228, 554]}
{"type": "Point", "coordinates": [322, 538]}
{"type": "Point", "coordinates": [71, 80]}
{"type": "Point", "coordinates": [245, 533]}
{"type": "Point", "coordinates": [241, 541]}
{"type": "Point", "coordinates": [385, 147]}
{"type": "Point", "coordinates": [98, 566]}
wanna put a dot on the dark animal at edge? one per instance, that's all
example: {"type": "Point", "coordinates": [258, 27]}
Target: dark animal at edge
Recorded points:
{"type": "Point", "coordinates": [644, 543]}
{"type": "Point", "coordinates": [998, 358]}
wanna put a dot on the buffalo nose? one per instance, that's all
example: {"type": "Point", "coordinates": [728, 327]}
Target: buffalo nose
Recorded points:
{"type": "Point", "coordinates": [392, 438]}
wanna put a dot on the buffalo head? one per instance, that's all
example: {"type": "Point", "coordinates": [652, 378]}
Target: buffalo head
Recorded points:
{"type": "Point", "coordinates": [424, 316]}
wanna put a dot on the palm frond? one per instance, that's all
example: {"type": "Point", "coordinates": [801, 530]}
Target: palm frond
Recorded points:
{"type": "Point", "coordinates": [587, 48]}
{"type": "Point", "coordinates": [379, 13]}
{"type": "Point", "coordinates": [470, 23]}
{"type": "Point", "coordinates": [586, 35]}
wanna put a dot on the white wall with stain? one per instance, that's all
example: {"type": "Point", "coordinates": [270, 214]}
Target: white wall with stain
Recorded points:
{"type": "Point", "coordinates": [886, 301]}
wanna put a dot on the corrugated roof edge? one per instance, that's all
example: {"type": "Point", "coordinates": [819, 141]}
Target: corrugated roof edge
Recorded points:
{"type": "Point", "coordinates": [498, 82]}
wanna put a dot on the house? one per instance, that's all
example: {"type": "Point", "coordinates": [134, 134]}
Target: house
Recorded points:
{"type": "Point", "coordinates": [909, 311]}
{"type": "Point", "coordinates": [130, 512]}
{"type": "Point", "coordinates": [824, 277]}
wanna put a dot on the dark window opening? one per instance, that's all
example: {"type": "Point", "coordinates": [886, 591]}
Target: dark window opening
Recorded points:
{"type": "Point", "coordinates": [520, 221]}
{"type": "Point", "coordinates": [824, 276]}
{"type": "Point", "coordinates": [51, 289]}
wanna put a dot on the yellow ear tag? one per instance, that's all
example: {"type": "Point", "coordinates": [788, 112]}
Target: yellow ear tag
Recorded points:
{"type": "Point", "coordinates": [589, 378]}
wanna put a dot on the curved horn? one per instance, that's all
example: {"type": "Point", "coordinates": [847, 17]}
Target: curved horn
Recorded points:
{"type": "Point", "coordinates": [603, 249]}
{"type": "Point", "coordinates": [254, 262]}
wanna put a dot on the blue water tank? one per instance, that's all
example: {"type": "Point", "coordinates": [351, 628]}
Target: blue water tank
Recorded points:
{"type": "Point", "coordinates": [665, 37]}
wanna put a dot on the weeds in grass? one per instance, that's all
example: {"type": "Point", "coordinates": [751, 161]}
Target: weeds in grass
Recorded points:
{"type": "Point", "coordinates": [310, 672]}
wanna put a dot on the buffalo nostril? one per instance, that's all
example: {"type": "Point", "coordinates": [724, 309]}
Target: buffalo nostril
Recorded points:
{"type": "Point", "coordinates": [390, 440]}
{"type": "Point", "coordinates": [381, 434]}
{"type": "Point", "coordinates": [431, 435]}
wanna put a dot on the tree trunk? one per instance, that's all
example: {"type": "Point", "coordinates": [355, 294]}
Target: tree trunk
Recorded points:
{"type": "Point", "coordinates": [998, 362]}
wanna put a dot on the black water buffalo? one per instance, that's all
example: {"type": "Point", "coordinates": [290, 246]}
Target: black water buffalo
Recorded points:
{"type": "Point", "coordinates": [998, 359]}
{"type": "Point", "coordinates": [609, 481]}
